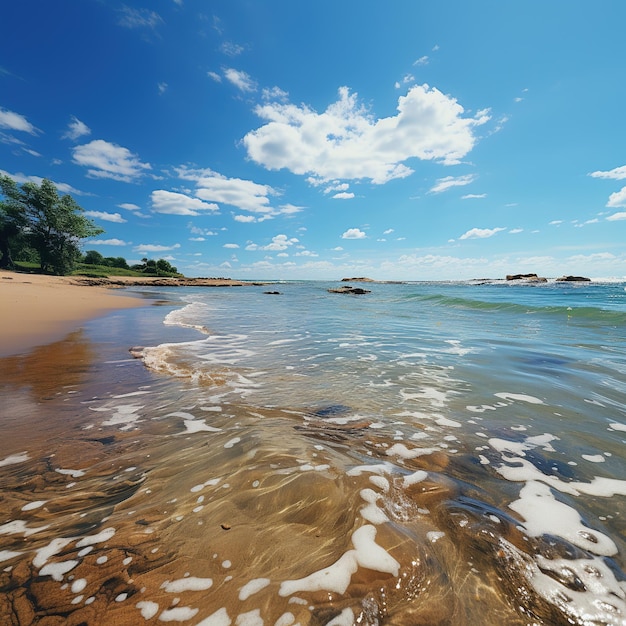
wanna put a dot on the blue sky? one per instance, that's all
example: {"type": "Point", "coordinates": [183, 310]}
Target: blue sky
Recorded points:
{"type": "Point", "coordinates": [278, 139]}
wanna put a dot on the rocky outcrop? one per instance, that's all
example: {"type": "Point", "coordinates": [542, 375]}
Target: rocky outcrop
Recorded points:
{"type": "Point", "coordinates": [361, 279]}
{"type": "Point", "coordinates": [530, 278]}
{"type": "Point", "coordinates": [573, 279]}
{"type": "Point", "coordinates": [357, 291]}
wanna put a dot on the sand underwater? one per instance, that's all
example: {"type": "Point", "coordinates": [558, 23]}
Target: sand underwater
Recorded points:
{"type": "Point", "coordinates": [425, 454]}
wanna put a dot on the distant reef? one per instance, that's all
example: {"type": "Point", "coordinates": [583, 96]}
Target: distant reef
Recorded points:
{"type": "Point", "coordinates": [534, 278]}
{"type": "Point", "coordinates": [357, 291]}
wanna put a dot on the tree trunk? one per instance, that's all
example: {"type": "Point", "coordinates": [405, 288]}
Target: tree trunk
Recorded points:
{"type": "Point", "coordinates": [6, 262]}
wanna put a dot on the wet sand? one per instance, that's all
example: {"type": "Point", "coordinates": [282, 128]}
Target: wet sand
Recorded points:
{"type": "Point", "coordinates": [37, 309]}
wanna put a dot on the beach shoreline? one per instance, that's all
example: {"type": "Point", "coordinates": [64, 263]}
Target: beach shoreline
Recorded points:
{"type": "Point", "coordinates": [36, 309]}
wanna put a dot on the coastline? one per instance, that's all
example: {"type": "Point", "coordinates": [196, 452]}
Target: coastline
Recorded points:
{"type": "Point", "coordinates": [37, 309]}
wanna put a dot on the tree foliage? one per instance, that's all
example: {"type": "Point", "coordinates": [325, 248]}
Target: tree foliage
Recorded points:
{"type": "Point", "coordinates": [51, 224]}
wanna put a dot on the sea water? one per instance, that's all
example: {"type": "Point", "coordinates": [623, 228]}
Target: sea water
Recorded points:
{"type": "Point", "coordinates": [426, 453]}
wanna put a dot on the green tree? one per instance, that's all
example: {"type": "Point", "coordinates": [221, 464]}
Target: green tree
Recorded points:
{"type": "Point", "coordinates": [55, 226]}
{"type": "Point", "coordinates": [165, 267]}
{"type": "Point", "coordinates": [93, 257]}
{"type": "Point", "coordinates": [13, 220]}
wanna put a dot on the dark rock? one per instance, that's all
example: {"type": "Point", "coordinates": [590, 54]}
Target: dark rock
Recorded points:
{"type": "Point", "coordinates": [348, 289]}
{"type": "Point", "coordinates": [573, 279]}
{"type": "Point", "coordinates": [531, 278]}
{"type": "Point", "coordinates": [272, 293]}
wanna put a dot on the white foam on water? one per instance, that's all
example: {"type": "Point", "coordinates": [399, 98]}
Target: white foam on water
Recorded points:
{"type": "Point", "coordinates": [371, 512]}
{"type": "Point", "coordinates": [519, 397]}
{"type": "Point", "coordinates": [232, 442]}
{"type": "Point", "coordinates": [58, 570]}
{"type": "Point", "coordinates": [345, 618]}
{"type": "Point", "coordinates": [178, 614]}
{"type": "Point", "coordinates": [131, 394]}
{"type": "Point", "coordinates": [543, 514]}
{"type": "Point", "coordinates": [147, 609]}
{"type": "Point", "coordinates": [593, 458]}
{"type": "Point", "coordinates": [14, 458]}
{"type": "Point", "coordinates": [197, 426]}
{"type": "Point", "coordinates": [54, 547]}
{"type": "Point", "coordinates": [6, 555]}
{"type": "Point", "coordinates": [381, 482]}
{"type": "Point", "coordinates": [124, 415]}
{"type": "Point", "coordinates": [434, 536]}
{"type": "Point", "coordinates": [18, 526]}
{"type": "Point", "coordinates": [613, 426]}
{"type": "Point", "coordinates": [121, 597]}
{"type": "Point", "coordinates": [525, 471]}
{"type": "Point", "coordinates": [599, 601]}
{"type": "Point", "coordinates": [71, 472]}
{"type": "Point", "coordinates": [336, 577]}
{"type": "Point", "coordinates": [415, 477]}
{"type": "Point", "coordinates": [286, 619]}
{"type": "Point", "coordinates": [251, 618]}
{"type": "Point", "coordinates": [379, 468]}
{"type": "Point", "coordinates": [399, 449]}
{"type": "Point", "coordinates": [78, 585]}
{"type": "Point", "coordinates": [191, 583]}
{"type": "Point", "coordinates": [100, 537]}
{"type": "Point", "coordinates": [219, 618]}
{"type": "Point", "coordinates": [252, 587]}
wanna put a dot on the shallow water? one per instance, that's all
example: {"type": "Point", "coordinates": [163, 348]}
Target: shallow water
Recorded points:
{"type": "Point", "coordinates": [424, 454]}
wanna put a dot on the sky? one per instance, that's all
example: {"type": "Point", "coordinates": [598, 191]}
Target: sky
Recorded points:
{"type": "Point", "coordinates": [284, 139]}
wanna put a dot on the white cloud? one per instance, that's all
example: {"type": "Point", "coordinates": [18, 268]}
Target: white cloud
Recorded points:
{"type": "Point", "coordinates": [243, 194]}
{"type": "Point", "coordinates": [480, 233]}
{"type": "Point", "coordinates": [143, 248]}
{"type": "Point", "coordinates": [172, 203]}
{"type": "Point", "coordinates": [240, 79]}
{"type": "Point", "coordinates": [617, 199]}
{"type": "Point", "coordinates": [15, 121]}
{"type": "Point", "coordinates": [244, 219]}
{"type": "Point", "coordinates": [231, 245]}
{"type": "Point", "coordinates": [108, 160]}
{"type": "Point", "coordinates": [388, 231]}
{"type": "Point", "coordinates": [344, 195]}
{"type": "Point", "coordinates": [215, 76]}
{"type": "Point", "coordinates": [231, 49]}
{"type": "Point", "coordinates": [346, 142]}
{"type": "Point", "coordinates": [76, 129]}
{"type": "Point", "coordinates": [274, 93]}
{"type": "Point", "coordinates": [471, 196]}
{"type": "Point", "coordinates": [19, 177]}
{"type": "Point", "coordinates": [617, 216]}
{"type": "Point", "coordinates": [337, 187]}
{"type": "Point", "coordinates": [421, 61]}
{"type": "Point", "coordinates": [443, 184]}
{"type": "Point", "coordinates": [197, 238]}
{"type": "Point", "coordinates": [515, 231]}
{"type": "Point", "coordinates": [162, 87]}
{"type": "Point", "coordinates": [289, 209]}
{"type": "Point", "coordinates": [139, 18]}
{"type": "Point", "coordinates": [106, 217]}
{"type": "Point", "coordinates": [353, 233]}
{"type": "Point", "coordinates": [108, 242]}
{"type": "Point", "coordinates": [618, 173]}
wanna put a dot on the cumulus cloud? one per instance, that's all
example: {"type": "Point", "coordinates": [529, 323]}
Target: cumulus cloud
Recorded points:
{"type": "Point", "coordinates": [353, 233]}
{"type": "Point", "coordinates": [108, 160]}
{"type": "Point", "coordinates": [240, 79]}
{"type": "Point", "coordinates": [144, 248]}
{"type": "Point", "coordinates": [244, 219]}
{"type": "Point", "coordinates": [344, 195]}
{"type": "Point", "coordinates": [106, 217]}
{"type": "Point", "coordinates": [617, 199]}
{"type": "Point", "coordinates": [278, 244]}
{"type": "Point", "coordinates": [15, 121]}
{"type": "Point", "coordinates": [108, 242]}
{"type": "Point", "coordinates": [243, 194]}
{"type": "Point", "coordinates": [76, 129]}
{"type": "Point", "coordinates": [443, 184]}
{"type": "Point", "coordinates": [617, 173]}
{"type": "Point", "coordinates": [480, 233]}
{"type": "Point", "coordinates": [346, 142]}
{"type": "Point", "coordinates": [172, 203]}
{"type": "Point", "coordinates": [231, 245]}
{"type": "Point", "coordinates": [617, 216]}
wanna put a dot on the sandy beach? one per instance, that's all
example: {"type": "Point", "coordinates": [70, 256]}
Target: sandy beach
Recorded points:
{"type": "Point", "coordinates": [37, 309]}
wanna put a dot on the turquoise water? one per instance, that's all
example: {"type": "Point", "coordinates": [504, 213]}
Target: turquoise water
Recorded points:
{"type": "Point", "coordinates": [427, 453]}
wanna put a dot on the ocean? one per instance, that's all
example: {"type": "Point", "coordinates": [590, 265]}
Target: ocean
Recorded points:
{"type": "Point", "coordinates": [427, 453]}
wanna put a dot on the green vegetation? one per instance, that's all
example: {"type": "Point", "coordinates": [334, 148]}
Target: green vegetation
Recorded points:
{"type": "Point", "coordinates": [40, 230]}
{"type": "Point", "coordinates": [35, 222]}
